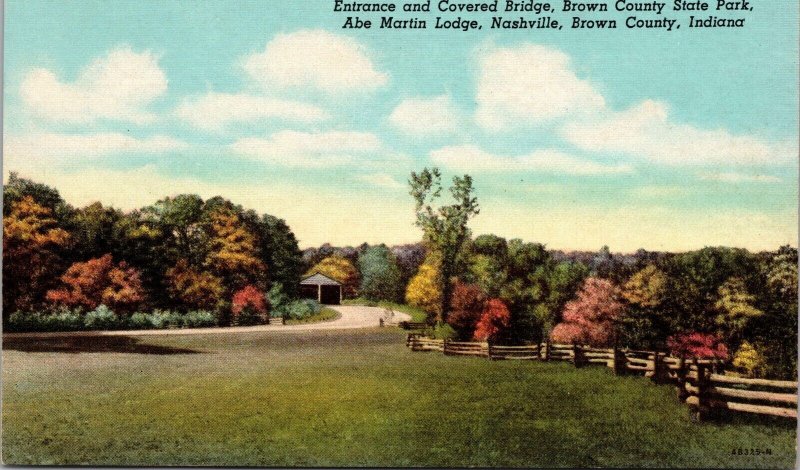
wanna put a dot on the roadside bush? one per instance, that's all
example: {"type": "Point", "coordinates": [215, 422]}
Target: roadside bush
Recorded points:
{"type": "Point", "coordinates": [62, 320]}
{"type": "Point", "coordinates": [101, 318]}
{"type": "Point", "coordinates": [199, 319]}
{"type": "Point", "coordinates": [301, 309]}
{"type": "Point", "coordinates": [165, 319]}
{"type": "Point", "coordinates": [249, 306]}
{"type": "Point", "coordinates": [140, 321]}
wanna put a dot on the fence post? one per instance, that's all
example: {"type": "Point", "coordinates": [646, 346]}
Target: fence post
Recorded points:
{"type": "Point", "coordinates": [489, 349]}
{"type": "Point", "coordinates": [658, 367]}
{"type": "Point", "coordinates": [700, 412]}
{"type": "Point", "coordinates": [620, 361]}
{"type": "Point", "coordinates": [444, 346]}
{"type": "Point", "coordinates": [681, 379]}
{"type": "Point", "coordinates": [576, 355]}
{"type": "Point", "coordinates": [546, 356]}
{"type": "Point", "coordinates": [380, 322]}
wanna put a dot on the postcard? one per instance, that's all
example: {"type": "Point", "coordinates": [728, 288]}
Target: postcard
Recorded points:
{"type": "Point", "coordinates": [400, 233]}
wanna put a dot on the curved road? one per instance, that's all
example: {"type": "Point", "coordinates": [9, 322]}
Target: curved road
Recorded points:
{"type": "Point", "coordinates": [351, 316]}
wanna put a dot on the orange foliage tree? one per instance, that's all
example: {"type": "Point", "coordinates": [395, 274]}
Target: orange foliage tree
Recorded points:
{"type": "Point", "coordinates": [495, 321]}
{"type": "Point", "coordinates": [466, 308]}
{"type": "Point", "coordinates": [194, 289]}
{"type": "Point", "coordinates": [99, 281]}
{"type": "Point", "coordinates": [31, 241]}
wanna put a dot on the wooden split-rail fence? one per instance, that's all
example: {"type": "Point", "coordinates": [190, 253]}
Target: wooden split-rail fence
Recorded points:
{"type": "Point", "coordinates": [701, 383]}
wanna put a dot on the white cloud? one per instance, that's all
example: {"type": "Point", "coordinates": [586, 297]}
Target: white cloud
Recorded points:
{"type": "Point", "coordinates": [426, 116]}
{"type": "Point", "coordinates": [117, 87]}
{"type": "Point", "coordinates": [318, 59]}
{"type": "Point", "coordinates": [214, 111]}
{"type": "Point", "coordinates": [49, 145]}
{"type": "Point", "coordinates": [310, 150]}
{"type": "Point", "coordinates": [474, 159]}
{"type": "Point", "coordinates": [739, 178]}
{"type": "Point", "coordinates": [530, 84]}
{"type": "Point", "coordinates": [646, 131]}
{"type": "Point", "coordinates": [381, 180]}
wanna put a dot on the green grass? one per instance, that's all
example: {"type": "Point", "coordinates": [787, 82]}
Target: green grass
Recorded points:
{"type": "Point", "coordinates": [417, 314]}
{"type": "Point", "coordinates": [355, 398]}
{"type": "Point", "coordinates": [325, 314]}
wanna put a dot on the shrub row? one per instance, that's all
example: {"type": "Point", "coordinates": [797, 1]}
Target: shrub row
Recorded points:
{"type": "Point", "coordinates": [103, 318]}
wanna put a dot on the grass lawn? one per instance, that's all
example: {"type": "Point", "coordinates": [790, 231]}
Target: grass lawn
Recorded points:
{"type": "Point", "coordinates": [345, 398]}
{"type": "Point", "coordinates": [325, 314]}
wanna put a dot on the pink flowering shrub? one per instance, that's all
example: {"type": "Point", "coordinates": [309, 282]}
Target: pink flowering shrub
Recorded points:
{"type": "Point", "coordinates": [700, 345]}
{"type": "Point", "coordinates": [589, 319]}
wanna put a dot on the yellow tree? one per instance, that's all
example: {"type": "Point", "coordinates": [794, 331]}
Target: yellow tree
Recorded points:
{"type": "Point", "coordinates": [31, 239]}
{"type": "Point", "coordinates": [233, 255]}
{"type": "Point", "coordinates": [340, 269]}
{"type": "Point", "coordinates": [424, 290]}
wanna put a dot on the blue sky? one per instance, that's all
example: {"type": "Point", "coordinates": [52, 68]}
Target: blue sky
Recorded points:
{"type": "Point", "coordinates": [577, 139]}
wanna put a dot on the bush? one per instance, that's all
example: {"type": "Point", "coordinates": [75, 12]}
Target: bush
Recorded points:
{"type": "Point", "coordinates": [749, 359]}
{"type": "Point", "coordinates": [301, 309]}
{"type": "Point", "coordinates": [249, 306]}
{"type": "Point", "coordinates": [199, 319]}
{"type": "Point", "coordinates": [62, 320]}
{"type": "Point", "coordinates": [139, 321]}
{"type": "Point", "coordinates": [161, 319]}
{"type": "Point", "coordinates": [101, 318]}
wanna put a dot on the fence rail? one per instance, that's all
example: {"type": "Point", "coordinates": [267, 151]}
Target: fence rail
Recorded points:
{"type": "Point", "coordinates": [700, 383]}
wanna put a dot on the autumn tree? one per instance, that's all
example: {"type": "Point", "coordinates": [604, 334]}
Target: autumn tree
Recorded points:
{"type": "Point", "coordinates": [735, 307]}
{"type": "Point", "coordinates": [590, 318]}
{"type": "Point", "coordinates": [32, 243]}
{"type": "Point", "coordinates": [99, 281]}
{"type": "Point", "coordinates": [339, 269]}
{"type": "Point", "coordinates": [444, 226]}
{"type": "Point", "coordinates": [194, 289]}
{"type": "Point", "coordinates": [424, 289]}
{"type": "Point", "coordinates": [494, 322]}
{"type": "Point", "coordinates": [233, 255]}
{"type": "Point", "coordinates": [643, 325]}
{"type": "Point", "coordinates": [466, 307]}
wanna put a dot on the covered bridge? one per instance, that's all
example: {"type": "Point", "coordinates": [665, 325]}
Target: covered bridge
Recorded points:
{"type": "Point", "coordinates": [321, 287]}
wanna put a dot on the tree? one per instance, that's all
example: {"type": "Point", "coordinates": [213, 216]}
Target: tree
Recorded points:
{"type": "Point", "coordinates": [194, 289]}
{"type": "Point", "coordinates": [590, 318]}
{"type": "Point", "coordinates": [494, 323]}
{"type": "Point", "coordinates": [466, 308]}
{"type": "Point", "coordinates": [32, 246]}
{"type": "Point", "coordinates": [424, 289]}
{"type": "Point", "coordinates": [409, 258]}
{"type": "Point", "coordinates": [380, 276]}
{"type": "Point", "coordinates": [339, 269]}
{"type": "Point", "coordinates": [233, 256]}
{"type": "Point", "coordinates": [736, 308]}
{"type": "Point", "coordinates": [99, 282]}
{"type": "Point", "coordinates": [280, 252]}
{"type": "Point", "coordinates": [644, 325]}
{"type": "Point", "coordinates": [445, 226]}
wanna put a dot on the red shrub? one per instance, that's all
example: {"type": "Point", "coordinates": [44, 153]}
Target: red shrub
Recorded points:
{"type": "Point", "coordinates": [495, 320]}
{"type": "Point", "coordinates": [251, 297]}
{"type": "Point", "coordinates": [700, 345]}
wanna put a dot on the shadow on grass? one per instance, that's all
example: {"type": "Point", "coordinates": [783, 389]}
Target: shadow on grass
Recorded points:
{"type": "Point", "coordinates": [91, 344]}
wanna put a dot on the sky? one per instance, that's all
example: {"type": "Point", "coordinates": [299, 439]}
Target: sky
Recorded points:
{"type": "Point", "coordinates": [575, 138]}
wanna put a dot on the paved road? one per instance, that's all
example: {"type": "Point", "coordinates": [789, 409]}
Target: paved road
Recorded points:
{"type": "Point", "coordinates": [351, 316]}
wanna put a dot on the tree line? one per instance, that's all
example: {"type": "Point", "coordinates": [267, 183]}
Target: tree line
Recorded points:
{"type": "Point", "coordinates": [185, 254]}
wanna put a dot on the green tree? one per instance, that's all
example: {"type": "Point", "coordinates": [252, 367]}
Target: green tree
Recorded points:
{"type": "Point", "coordinates": [444, 226]}
{"type": "Point", "coordinates": [380, 276]}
